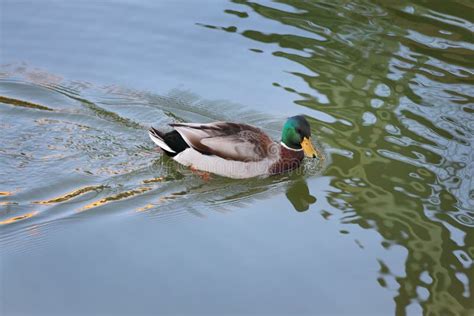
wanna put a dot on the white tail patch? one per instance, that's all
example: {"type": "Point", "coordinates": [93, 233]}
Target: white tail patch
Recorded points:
{"type": "Point", "coordinates": [160, 142]}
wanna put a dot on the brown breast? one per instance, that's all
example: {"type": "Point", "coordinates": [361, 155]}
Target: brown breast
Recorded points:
{"type": "Point", "coordinates": [289, 160]}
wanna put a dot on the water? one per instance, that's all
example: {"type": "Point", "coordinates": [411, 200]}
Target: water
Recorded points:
{"type": "Point", "coordinates": [95, 221]}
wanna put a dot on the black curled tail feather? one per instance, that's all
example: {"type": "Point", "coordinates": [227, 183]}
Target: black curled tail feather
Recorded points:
{"type": "Point", "coordinates": [156, 132]}
{"type": "Point", "coordinates": [171, 143]}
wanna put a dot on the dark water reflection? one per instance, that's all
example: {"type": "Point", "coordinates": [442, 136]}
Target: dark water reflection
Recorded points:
{"type": "Point", "coordinates": [387, 87]}
{"type": "Point", "coordinates": [299, 196]}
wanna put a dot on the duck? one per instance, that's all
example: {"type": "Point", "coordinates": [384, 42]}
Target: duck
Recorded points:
{"type": "Point", "coordinates": [236, 150]}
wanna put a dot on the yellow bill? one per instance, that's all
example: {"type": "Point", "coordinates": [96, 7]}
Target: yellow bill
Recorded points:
{"type": "Point", "coordinates": [308, 148]}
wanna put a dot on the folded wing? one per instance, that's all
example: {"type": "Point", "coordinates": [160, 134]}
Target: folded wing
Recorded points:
{"type": "Point", "coordinates": [240, 142]}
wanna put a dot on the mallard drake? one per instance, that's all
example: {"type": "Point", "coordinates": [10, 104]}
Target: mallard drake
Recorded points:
{"type": "Point", "coordinates": [236, 150]}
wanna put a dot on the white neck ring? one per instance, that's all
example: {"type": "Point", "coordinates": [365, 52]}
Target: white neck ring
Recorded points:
{"type": "Point", "coordinates": [289, 148]}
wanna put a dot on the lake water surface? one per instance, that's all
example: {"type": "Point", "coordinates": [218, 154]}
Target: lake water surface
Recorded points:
{"type": "Point", "coordinates": [94, 221]}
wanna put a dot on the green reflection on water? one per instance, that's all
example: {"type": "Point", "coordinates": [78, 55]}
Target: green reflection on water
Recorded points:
{"type": "Point", "coordinates": [397, 76]}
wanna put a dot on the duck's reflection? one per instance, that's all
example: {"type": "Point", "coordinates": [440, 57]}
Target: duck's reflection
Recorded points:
{"type": "Point", "coordinates": [224, 193]}
{"type": "Point", "coordinates": [299, 196]}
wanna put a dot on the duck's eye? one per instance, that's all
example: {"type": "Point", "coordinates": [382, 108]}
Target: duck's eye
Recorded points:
{"type": "Point", "coordinates": [298, 131]}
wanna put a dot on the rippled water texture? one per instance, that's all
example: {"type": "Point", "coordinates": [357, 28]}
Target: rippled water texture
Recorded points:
{"type": "Point", "coordinates": [93, 220]}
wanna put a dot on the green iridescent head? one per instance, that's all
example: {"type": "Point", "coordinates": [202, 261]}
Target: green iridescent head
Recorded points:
{"type": "Point", "coordinates": [296, 135]}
